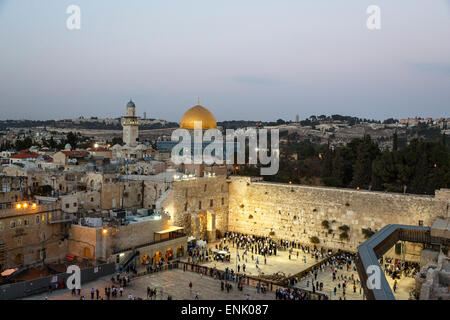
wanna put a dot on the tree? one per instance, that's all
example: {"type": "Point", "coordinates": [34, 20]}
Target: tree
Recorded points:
{"type": "Point", "coordinates": [366, 152]}
{"type": "Point", "coordinates": [72, 139]}
{"type": "Point", "coordinates": [23, 144]}
{"type": "Point", "coordinates": [395, 141]}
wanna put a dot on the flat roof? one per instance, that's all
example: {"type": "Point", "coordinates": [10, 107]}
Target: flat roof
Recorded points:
{"type": "Point", "coordinates": [171, 229]}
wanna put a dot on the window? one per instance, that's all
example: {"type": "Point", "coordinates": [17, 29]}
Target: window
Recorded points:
{"type": "Point", "coordinates": [19, 222]}
{"type": "Point", "coordinates": [204, 189]}
{"type": "Point", "coordinates": [12, 224]}
{"type": "Point", "coordinates": [37, 219]}
{"type": "Point", "coordinates": [211, 203]}
{"type": "Point", "coordinates": [421, 223]}
{"type": "Point", "coordinates": [1, 225]}
{"type": "Point", "coordinates": [92, 199]}
{"type": "Point", "coordinates": [223, 201]}
{"type": "Point", "coordinates": [200, 205]}
{"type": "Point", "coordinates": [19, 241]}
{"type": "Point", "coordinates": [26, 222]}
{"type": "Point", "coordinates": [74, 204]}
{"type": "Point", "coordinates": [185, 206]}
{"type": "Point", "coordinates": [67, 206]}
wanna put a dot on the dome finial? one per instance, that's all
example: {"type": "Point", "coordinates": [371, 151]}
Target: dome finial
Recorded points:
{"type": "Point", "coordinates": [198, 100]}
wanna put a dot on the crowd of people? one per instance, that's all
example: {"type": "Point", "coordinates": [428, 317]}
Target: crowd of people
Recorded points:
{"type": "Point", "coordinates": [397, 269]}
{"type": "Point", "coordinates": [294, 294]}
{"type": "Point", "coordinates": [116, 289]}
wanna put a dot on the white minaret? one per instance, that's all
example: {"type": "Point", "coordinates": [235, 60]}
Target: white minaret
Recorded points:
{"type": "Point", "coordinates": [130, 125]}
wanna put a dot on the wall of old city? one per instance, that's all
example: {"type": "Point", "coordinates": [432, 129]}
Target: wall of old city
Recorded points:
{"type": "Point", "coordinates": [296, 212]}
{"type": "Point", "coordinates": [188, 198]}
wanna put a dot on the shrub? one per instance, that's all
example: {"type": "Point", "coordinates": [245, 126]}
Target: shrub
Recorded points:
{"type": "Point", "coordinates": [343, 236]}
{"type": "Point", "coordinates": [314, 239]}
{"type": "Point", "coordinates": [250, 217]}
{"type": "Point", "coordinates": [367, 233]}
{"type": "Point", "coordinates": [344, 228]}
{"type": "Point", "coordinates": [271, 233]}
{"type": "Point", "coordinates": [326, 224]}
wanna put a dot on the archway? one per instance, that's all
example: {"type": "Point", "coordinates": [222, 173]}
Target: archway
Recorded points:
{"type": "Point", "coordinates": [87, 252]}
{"type": "Point", "coordinates": [169, 254]}
{"type": "Point", "coordinates": [180, 251]}
{"type": "Point", "coordinates": [157, 257]}
{"type": "Point", "coordinates": [18, 260]}
{"type": "Point", "coordinates": [145, 259]}
{"type": "Point", "coordinates": [203, 225]}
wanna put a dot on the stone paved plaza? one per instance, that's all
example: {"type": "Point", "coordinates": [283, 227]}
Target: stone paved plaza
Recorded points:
{"type": "Point", "coordinates": [172, 282]}
{"type": "Point", "coordinates": [282, 263]}
{"type": "Point", "coordinates": [278, 263]}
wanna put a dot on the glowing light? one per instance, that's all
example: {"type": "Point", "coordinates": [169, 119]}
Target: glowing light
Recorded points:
{"type": "Point", "coordinates": [34, 206]}
{"type": "Point", "coordinates": [357, 188]}
{"type": "Point", "coordinates": [96, 145]}
{"type": "Point", "coordinates": [105, 231]}
{"type": "Point", "coordinates": [18, 206]}
{"type": "Point", "coordinates": [25, 205]}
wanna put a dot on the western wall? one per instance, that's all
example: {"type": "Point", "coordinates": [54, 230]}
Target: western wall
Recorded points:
{"type": "Point", "coordinates": [298, 212]}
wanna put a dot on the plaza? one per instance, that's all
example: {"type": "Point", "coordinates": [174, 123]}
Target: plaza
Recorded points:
{"type": "Point", "coordinates": [274, 264]}
{"type": "Point", "coordinates": [174, 283]}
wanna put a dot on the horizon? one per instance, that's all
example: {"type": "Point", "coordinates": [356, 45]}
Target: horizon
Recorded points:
{"type": "Point", "coordinates": [243, 59]}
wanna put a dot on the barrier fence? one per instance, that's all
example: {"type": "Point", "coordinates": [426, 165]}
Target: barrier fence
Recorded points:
{"type": "Point", "coordinates": [27, 288]}
{"type": "Point", "coordinates": [271, 286]}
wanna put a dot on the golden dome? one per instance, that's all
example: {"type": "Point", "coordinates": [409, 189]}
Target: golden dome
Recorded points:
{"type": "Point", "coordinates": [198, 113]}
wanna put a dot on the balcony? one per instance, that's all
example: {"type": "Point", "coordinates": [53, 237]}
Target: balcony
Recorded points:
{"type": "Point", "coordinates": [60, 219]}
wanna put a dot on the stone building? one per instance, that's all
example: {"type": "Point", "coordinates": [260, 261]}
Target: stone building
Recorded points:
{"type": "Point", "coordinates": [33, 232]}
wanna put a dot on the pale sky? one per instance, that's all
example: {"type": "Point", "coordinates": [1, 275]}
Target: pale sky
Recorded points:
{"type": "Point", "coordinates": [246, 59]}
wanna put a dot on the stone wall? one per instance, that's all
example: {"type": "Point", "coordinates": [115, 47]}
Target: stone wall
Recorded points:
{"type": "Point", "coordinates": [298, 212]}
{"type": "Point", "coordinates": [197, 196]}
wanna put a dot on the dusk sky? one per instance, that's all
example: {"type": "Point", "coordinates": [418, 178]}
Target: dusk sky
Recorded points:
{"type": "Point", "coordinates": [247, 59]}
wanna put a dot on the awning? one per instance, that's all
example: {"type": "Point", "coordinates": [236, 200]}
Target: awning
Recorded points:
{"type": "Point", "coordinates": [171, 229]}
{"type": "Point", "coordinates": [8, 272]}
